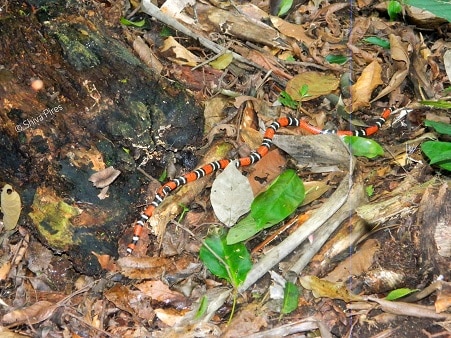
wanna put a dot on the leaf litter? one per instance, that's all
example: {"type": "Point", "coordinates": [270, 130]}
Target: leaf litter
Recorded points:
{"type": "Point", "coordinates": [141, 292]}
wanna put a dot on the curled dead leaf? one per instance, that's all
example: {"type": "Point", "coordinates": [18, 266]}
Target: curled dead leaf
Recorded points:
{"type": "Point", "coordinates": [32, 314]}
{"type": "Point", "coordinates": [369, 80]}
{"type": "Point", "coordinates": [146, 55]}
{"type": "Point", "coordinates": [400, 55]}
{"type": "Point", "coordinates": [105, 177]}
{"type": "Point", "coordinates": [177, 53]}
{"type": "Point", "coordinates": [11, 206]}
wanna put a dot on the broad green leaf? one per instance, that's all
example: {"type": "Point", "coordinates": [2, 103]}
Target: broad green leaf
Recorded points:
{"type": "Point", "coordinates": [279, 201]}
{"type": "Point", "coordinates": [441, 8]}
{"type": "Point", "coordinates": [285, 6]}
{"type": "Point", "coordinates": [231, 262]}
{"type": "Point", "coordinates": [399, 293]}
{"type": "Point", "coordinates": [138, 24]}
{"type": "Point", "coordinates": [437, 104]}
{"type": "Point", "coordinates": [290, 298]}
{"type": "Point", "coordinates": [272, 206]}
{"type": "Point", "coordinates": [374, 40]}
{"type": "Point", "coordinates": [443, 157]}
{"type": "Point", "coordinates": [361, 146]}
{"type": "Point", "coordinates": [222, 62]}
{"type": "Point", "coordinates": [435, 151]}
{"type": "Point", "coordinates": [338, 59]}
{"type": "Point", "coordinates": [245, 229]}
{"type": "Point", "coordinates": [440, 127]}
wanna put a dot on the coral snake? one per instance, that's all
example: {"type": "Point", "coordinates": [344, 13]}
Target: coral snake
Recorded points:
{"type": "Point", "coordinates": [255, 156]}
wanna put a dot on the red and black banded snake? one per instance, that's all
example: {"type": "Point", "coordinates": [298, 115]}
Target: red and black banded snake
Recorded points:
{"type": "Point", "coordinates": [254, 157]}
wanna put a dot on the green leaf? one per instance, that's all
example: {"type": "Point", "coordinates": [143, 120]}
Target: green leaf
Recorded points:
{"type": "Point", "coordinates": [437, 104]}
{"type": "Point", "coordinates": [287, 100]}
{"type": "Point", "coordinates": [361, 146]}
{"type": "Point", "coordinates": [374, 40]}
{"type": "Point", "coordinates": [438, 152]}
{"type": "Point", "coordinates": [285, 6]}
{"type": "Point", "coordinates": [138, 24]}
{"type": "Point", "coordinates": [166, 32]}
{"type": "Point", "coordinates": [440, 127]}
{"type": "Point", "coordinates": [290, 298]}
{"type": "Point", "coordinates": [369, 190]}
{"type": "Point", "coordinates": [230, 262]}
{"type": "Point", "coordinates": [399, 293]}
{"type": "Point", "coordinates": [203, 306]}
{"type": "Point", "coordinates": [303, 92]}
{"type": "Point", "coordinates": [338, 59]}
{"type": "Point", "coordinates": [393, 9]}
{"type": "Point", "coordinates": [272, 206]}
{"type": "Point", "coordinates": [279, 201]}
{"type": "Point", "coordinates": [443, 157]}
{"type": "Point", "coordinates": [243, 230]}
{"type": "Point", "coordinates": [441, 8]}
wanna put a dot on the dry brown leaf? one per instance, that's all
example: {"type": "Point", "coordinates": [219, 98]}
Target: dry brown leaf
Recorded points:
{"type": "Point", "coordinates": [143, 267]}
{"type": "Point", "coordinates": [241, 27]}
{"type": "Point", "coordinates": [122, 297]}
{"type": "Point", "coordinates": [177, 53]}
{"type": "Point", "coordinates": [400, 55]}
{"type": "Point", "coordinates": [324, 288]}
{"type": "Point", "coordinates": [32, 314]}
{"type": "Point", "coordinates": [266, 170]}
{"type": "Point", "coordinates": [160, 292]}
{"type": "Point", "coordinates": [81, 157]}
{"type": "Point", "coordinates": [220, 129]}
{"type": "Point", "coordinates": [356, 264]}
{"type": "Point", "coordinates": [360, 27]}
{"type": "Point", "coordinates": [5, 333]}
{"type": "Point", "coordinates": [4, 270]}
{"type": "Point", "coordinates": [170, 316]}
{"type": "Point", "coordinates": [292, 30]}
{"type": "Point", "coordinates": [443, 301]}
{"type": "Point", "coordinates": [249, 319]}
{"type": "Point", "coordinates": [369, 80]}
{"type": "Point", "coordinates": [147, 56]}
{"type": "Point", "coordinates": [251, 137]}
{"type": "Point", "coordinates": [104, 178]}
{"type": "Point", "coordinates": [318, 84]}
{"type": "Point", "coordinates": [314, 190]}
{"type": "Point", "coordinates": [106, 262]}
{"type": "Point", "coordinates": [265, 60]}
{"type": "Point", "coordinates": [10, 206]}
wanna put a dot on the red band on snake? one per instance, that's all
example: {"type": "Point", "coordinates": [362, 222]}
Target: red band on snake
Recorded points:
{"type": "Point", "coordinates": [254, 157]}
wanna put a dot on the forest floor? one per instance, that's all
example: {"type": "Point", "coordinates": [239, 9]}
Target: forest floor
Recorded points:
{"type": "Point", "coordinates": [102, 102]}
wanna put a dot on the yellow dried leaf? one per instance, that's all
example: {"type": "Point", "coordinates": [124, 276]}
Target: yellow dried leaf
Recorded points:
{"type": "Point", "coordinates": [222, 62]}
{"type": "Point", "coordinates": [318, 84]}
{"type": "Point", "coordinates": [177, 53]}
{"type": "Point", "coordinates": [11, 206]}
{"type": "Point", "coordinates": [323, 288]}
{"type": "Point", "coordinates": [369, 80]}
